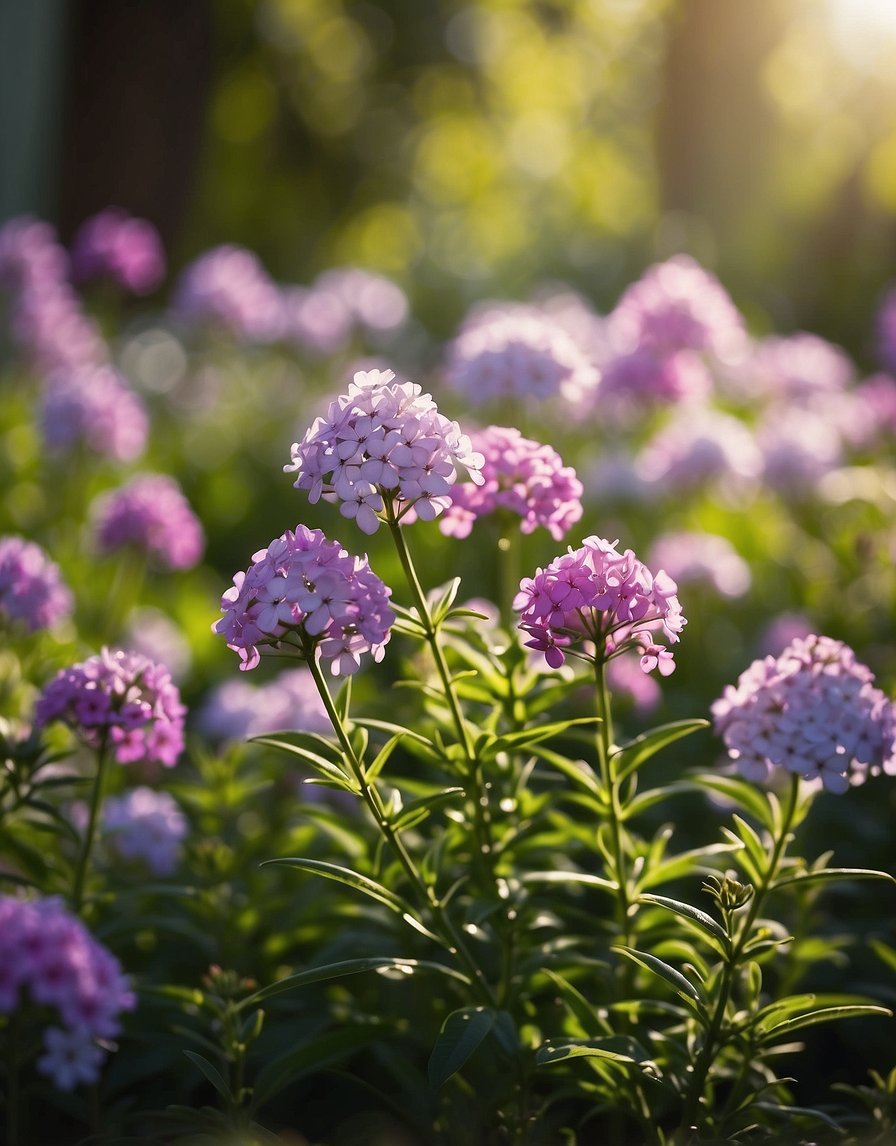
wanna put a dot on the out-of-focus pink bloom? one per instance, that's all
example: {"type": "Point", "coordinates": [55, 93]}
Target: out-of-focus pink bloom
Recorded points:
{"type": "Point", "coordinates": [151, 515]}
{"type": "Point", "coordinates": [691, 556]}
{"type": "Point", "coordinates": [627, 679]}
{"type": "Point", "coordinates": [239, 710]}
{"type": "Point", "coordinates": [643, 377]}
{"type": "Point", "coordinates": [886, 330]}
{"type": "Point", "coordinates": [227, 287]}
{"type": "Point", "coordinates": [147, 826]}
{"type": "Point", "coordinates": [701, 447]}
{"type": "Point", "coordinates": [94, 406]}
{"type": "Point", "coordinates": [782, 631]}
{"type": "Point", "coordinates": [117, 246]}
{"type": "Point", "coordinates": [32, 591]}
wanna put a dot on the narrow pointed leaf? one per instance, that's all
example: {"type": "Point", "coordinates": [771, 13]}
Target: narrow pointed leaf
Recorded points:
{"type": "Point", "coordinates": [750, 798]}
{"type": "Point", "coordinates": [211, 1072]}
{"type": "Point", "coordinates": [526, 736]}
{"type": "Point", "coordinates": [701, 918]}
{"type": "Point", "coordinates": [345, 875]}
{"type": "Point", "coordinates": [461, 1034]}
{"type": "Point", "coordinates": [578, 771]}
{"type": "Point", "coordinates": [351, 967]}
{"type": "Point", "coordinates": [548, 1055]}
{"type": "Point", "coordinates": [824, 1015]}
{"type": "Point", "coordinates": [418, 810]}
{"type": "Point", "coordinates": [831, 874]}
{"type": "Point", "coordinates": [583, 877]}
{"type": "Point", "coordinates": [674, 978]}
{"type": "Point", "coordinates": [629, 757]}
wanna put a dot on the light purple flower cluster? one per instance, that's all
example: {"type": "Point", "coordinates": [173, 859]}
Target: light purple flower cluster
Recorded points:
{"type": "Point", "coordinates": [321, 318]}
{"type": "Point", "coordinates": [812, 711]}
{"type": "Point", "coordinates": [693, 556]}
{"type": "Point", "coordinates": [150, 514]}
{"type": "Point", "coordinates": [519, 352]}
{"type": "Point", "coordinates": [886, 330]}
{"type": "Point", "coordinates": [227, 287]}
{"type": "Point", "coordinates": [600, 595]}
{"type": "Point", "coordinates": [119, 247]}
{"type": "Point", "coordinates": [797, 366]}
{"type": "Point", "coordinates": [93, 405]}
{"type": "Point", "coordinates": [120, 698]}
{"type": "Point", "coordinates": [47, 321]}
{"type": "Point", "coordinates": [643, 377]}
{"type": "Point", "coordinates": [677, 305]}
{"type": "Point", "coordinates": [702, 446]}
{"type": "Point", "coordinates": [146, 825]}
{"type": "Point", "coordinates": [239, 710]}
{"type": "Point", "coordinates": [311, 589]}
{"type": "Point", "coordinates": [383, 440]}
{"type": "Point", "coordinates": [522, 478]}
{"type": "Point", "coordinates": [49, 953]}
{"type": "Point", "coordinates": [32, 591]}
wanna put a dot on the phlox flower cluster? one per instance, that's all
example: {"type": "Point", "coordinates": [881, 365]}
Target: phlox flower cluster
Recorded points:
{"type": "Point", "coordinates": [812, 711]}
{"type": "Point", "coordinates": [48, 957]}
{"type": "Point", "coordinates": [122, 699]}
{"type": "Point", "coordinates": [705, 558]}
{"type": "Point", "coordinates": [151, 515]}
{"type": "Point", "coordinates": [322, 317]}
{"type": "Point", "coordinates": [519, 352]}
{"type": "Point", "coordinates": [522, 478]}
{"type": "Point", "coordinates": [121, 248]}
{"type": "Point", "coordinates": [383, 440]}
{"type": "Point", "coordinates": [32, 591]}
{"type": "Point", "coordinates": [642, 377]}
{"type": "Point", "coordinates": [145, 825]}
{"type": "Point", "coordinates": [227, 287]}
{"type": "Point", "coordinates": [597, 594]}
{"type": "Point", "coordinates": [238, 710]}
{"type": "Point", "coordinates": [311, 589]}
{"type": "Point", "coordinates": [701, 446]}
{"type": "Point", "coordinates": [94, 406]}
{"type": "Point", "coordinates": [886, 330]}
{"type": "Point", "coordinates": [797, 366]}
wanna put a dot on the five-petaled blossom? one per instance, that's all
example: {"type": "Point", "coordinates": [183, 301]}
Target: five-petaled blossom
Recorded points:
{"type": "Point", "coordinates": [121, 700]}
{"type": "Point", "coordinates": [600, 595]}
{"type": "Point", "coordinates": [813, 711]}
{"type": "Point", "coordinates": [383, 443]}
{"type": "Point", "coordinates": [48, 954]}
{"type": "Point", "coordinates": [522, 478]}
{"type": "Point", "coordinates": [314, 596]}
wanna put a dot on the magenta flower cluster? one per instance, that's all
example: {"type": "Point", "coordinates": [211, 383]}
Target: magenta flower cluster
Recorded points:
{"type": "Point", "coordinates": [522, 478]}
{"type": "Point", "coordinates": [32, 591]}
{"type": "Point", "coordinates": [146, 825]}
{"type": "Point", "coordinates": [519, 352]}
{"type": "Point", "coordinates": [310, 589]}
{"type": "Point", "coordinates": [121, 699]}
{"type": "Point", "coordinates": [813, 711]}
{"type": "Point", "coordinates": [49, 953]}
{"type": "Point", "coordinates": [93, 406]}
{"type": "Point", "coordinates": [121, 248]}
{"type": "Point", "coordinates": [151, 515]}
{"type": "Point", "coordinates": [383, 441]}
{"type": "Point", "coordinates": [600, 595]}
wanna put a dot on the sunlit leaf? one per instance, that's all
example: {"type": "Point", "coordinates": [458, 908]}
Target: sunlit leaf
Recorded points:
{"type": "Point", "coordinates": [674, 978]}
{"type": "Point", "coordinates": [629, 757]}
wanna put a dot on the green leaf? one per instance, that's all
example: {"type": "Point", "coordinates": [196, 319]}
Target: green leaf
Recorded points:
{"type": "Point", "coordinates": [704, 921]}
{"type": "Point", "coordinates": [752, 842]}
{"type": "Point", "coordinates": [684, 863]}
{"type": "Point", "coordinates": [823, 1015]}
{"type": "Point", "coordinates": [583, 877]}
{"type": "Point", "coordinates": [212, 1073]}
{"type": "Point", "coordinates": [674, 978]}
{"type": "Point", "coordinates": [629, 757]}
{"type": "Point", "coordinates": [576, 1004]}
{"type": "Point", "coordinates": [343, 701]}
{"type": "Point", "coordinates": [833, 873]}
{"type": "Point", "coordinates": [379, 761]}
{"type": "Point", "coordinates": [461, 1034]}
{"type": "Point", "coordinates": [597, 1048]}
{"type": "Point", "coordinates": [351, 967]}
{"type": "Point", "coordinates": [439, 606]}
{"type": "Point", "coordinates": [345, 875]}
{"type": "Point", "coordinates": [746, 795]}
{"type": "Point", "coordinates": [417, 810]}
{"type": "Point", "coordinates": [310, 1056]}
{"type": "Point", "coordinates": [512, 741]}
{"type": "Point", "coordinates": [578, 771]}
{"type": "Point", "coordinates": [326, 767]}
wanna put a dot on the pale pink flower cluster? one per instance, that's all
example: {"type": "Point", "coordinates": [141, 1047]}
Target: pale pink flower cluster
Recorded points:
{"type": "Point", "coordinates": [32, 591]}
{"type": "Point", "coordinates": [693, 556]}
{"type": "Point", "coordinates": [521, 478]}
{"type": "Point", "coordinates": [151, 515]}
{"type": "Point", "coordinates": [49, 953]}
{"type": "Point", "coordinates": [121, 699]}
{"type": "Point", "coordinates": [812, 711]}
{"type": "Point", "coordinates": [600, 595]}
{"type": "Point", "coordinates": [227, 287]}
{"type": "Point", "coordinates": [323, 317]}
{"type": "Point", "coordinates": [383, 441]}
{"type": "Point", "coordinates": [518, 351]}
{"type": "Point", "coordinates": [312, 590]}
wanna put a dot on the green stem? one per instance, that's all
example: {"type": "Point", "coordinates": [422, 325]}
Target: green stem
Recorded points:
{"type": "Point", "coordinates": [710, 1043]}
{"type": "Point", "coordinates": [377, 809]}
{"type": "Point", "coordinates": [611, 788]}
{"type": "Point", "coordinates": [96, 800]}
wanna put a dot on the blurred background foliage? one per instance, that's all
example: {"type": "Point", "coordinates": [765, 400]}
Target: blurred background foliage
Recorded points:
{"type": "Point", "coordinates": [475, 148]}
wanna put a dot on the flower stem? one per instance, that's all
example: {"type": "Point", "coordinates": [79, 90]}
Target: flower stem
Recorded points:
{"type": "Point", "coordinates": [611, 788]}
{"type": "Point", "coordinates": [96, 800]}
{"type": "Point", "coordinates": [377, 809]}
{"type": "Point", "coordinates": [711, 1043]}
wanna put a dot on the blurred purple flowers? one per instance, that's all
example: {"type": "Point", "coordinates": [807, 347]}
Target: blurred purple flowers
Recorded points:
{"type": "Point", "coordinates": [151, 515]}
{"type": "Point", "coordinates": [121, 248]}
{"type": "Point", "coordinates": [95, 407]}
{"type": "Point", "coordinates": [812, 711]}
{"type": "Point", "coordinates": [121, 699]}
{"type": "Point", "coordinates": [239, 710]}
{"type": "Point", "coordinates": [228, 288]}
{"type": "Point", "coordinates": [306, 587]}
{"type": "Point", "coordinates": [383, 441]}
{"type": "Point", "coordinates": [146, 825]}
{"type": "Point", "coordinates": [521, 478]}
{"type": "Point", "coordinates": [32, 591]}
{"type": "Point", "coordinates": [51, 954]}
{"type": "Point", "coordinates": [600, 595]}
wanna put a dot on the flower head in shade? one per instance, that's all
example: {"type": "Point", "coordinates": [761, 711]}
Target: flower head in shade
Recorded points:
{"type": "Point", "coordinates": [519, 352]}
{"type": "Point", "coordinates": [677, 305]}
{"type": "Point", "coordinates": [704, 558]}
{"type": "Point", "coordinates": [120, 247]}
{"type": "Point", "coordinates": [48, 958]}
{"type": "Point", "coordinates": [147, 826]}
{"type": "Point", "coordinates": [151, 515]}
{"type": "Point", "coordinates": [309, 594]}
{"type": "Point", "coordinates": [238, 710]}
{"type": "Point", "coordinates": [227, 287]}
{"type": "Point", "coordinates": [383, 442]}
{"type": "Point", "coordinates": [599, 595]}
{"type": "Point", "coordinates": [812, 711]}
{"type": "Point", "coordinates": [521, 478]}
{"type": "Point", "coordinates": [122, 699]}
{"type": "Point", "coordinates": [94, 406]}
{"type": "Point", "coordinates": [31, 255]}
{"type": "Point", "coordinates": [886, 330]}
{"type": "Point", "coordinates": [32, 591]}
